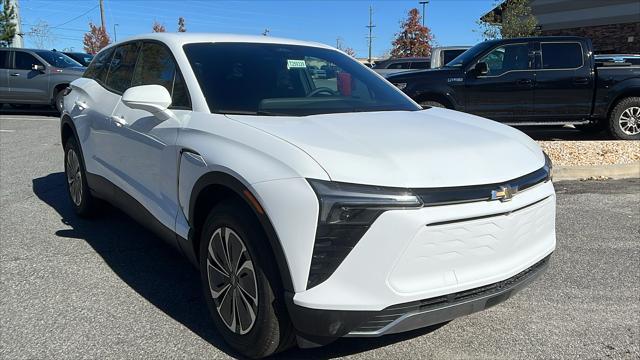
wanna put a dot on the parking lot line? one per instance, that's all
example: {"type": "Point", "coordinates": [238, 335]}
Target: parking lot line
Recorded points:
{"type": "Point", "coordinates": [25, 118]}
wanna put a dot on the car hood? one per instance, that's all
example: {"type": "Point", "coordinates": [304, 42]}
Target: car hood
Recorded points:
{"type": "Point", "coordinates": [429, 148]}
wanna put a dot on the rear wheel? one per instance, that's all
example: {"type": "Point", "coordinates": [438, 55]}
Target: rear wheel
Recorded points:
{"type": "Point", "coordinates": [624, 121]}
{"type": "Point", "coordinates": [241, 284]}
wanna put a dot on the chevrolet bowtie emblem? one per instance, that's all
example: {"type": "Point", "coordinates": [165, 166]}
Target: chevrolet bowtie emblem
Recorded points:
{"type": "Point", "coordinates": [505, 193]}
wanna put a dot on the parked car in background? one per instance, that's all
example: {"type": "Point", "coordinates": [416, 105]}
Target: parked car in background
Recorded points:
{"type": "Point", "coordinates": [534, 81]}
{"type": "Point", "coordinates": [440, 56]}
{"type": "Point", "coordinates": [393, 66]}
{"type": "Point", "coordinates": [633, 59]}
{"type": "Point", "coordinates": [83, 58]}
{"type": "Point", "coordinates": [314, 209]}
{"type": "Point", "coordinates": [31, 76]}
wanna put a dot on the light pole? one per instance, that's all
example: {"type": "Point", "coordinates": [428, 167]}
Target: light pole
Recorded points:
{"type": "Point", "coordinates": [424, 4]}
{"type": "Point", "coordinates": [115, 35]}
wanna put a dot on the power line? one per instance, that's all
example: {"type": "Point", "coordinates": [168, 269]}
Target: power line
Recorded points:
{"type": "Point", "coordinates": [79, 16]}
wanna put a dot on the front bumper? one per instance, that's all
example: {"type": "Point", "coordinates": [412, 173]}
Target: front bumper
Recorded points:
{"type": "Point", "coordinates": [320, 327]}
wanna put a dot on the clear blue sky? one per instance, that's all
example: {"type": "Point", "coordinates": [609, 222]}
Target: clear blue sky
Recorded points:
{"type": "Point", "coordinates": [451, 21]}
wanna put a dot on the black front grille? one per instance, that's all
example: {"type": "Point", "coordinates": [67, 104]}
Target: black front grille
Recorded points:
{"type": "Point", "coordinates": [394, 312]}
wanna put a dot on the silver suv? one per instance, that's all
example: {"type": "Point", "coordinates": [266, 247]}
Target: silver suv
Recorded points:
{"type": "Point", "coordinates": [35, 76]}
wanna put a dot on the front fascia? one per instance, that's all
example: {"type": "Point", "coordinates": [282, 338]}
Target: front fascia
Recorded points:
{"type": "Point", "coordinates": [365, 280]}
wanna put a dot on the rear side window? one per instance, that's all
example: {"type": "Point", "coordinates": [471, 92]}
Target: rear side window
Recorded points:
{"type": "Point", "coordinates": [157, 67]}
{"type": "Point", "coordinates": [25, 61]}
{"type": "Point", "coordinates": [561, 55]}
{"type": "Point", "coordinates": [99, 67]}
{"type": "Point", "coordinates": [4, 59]}
{"type": "Point", "coordinates": [122, 64]}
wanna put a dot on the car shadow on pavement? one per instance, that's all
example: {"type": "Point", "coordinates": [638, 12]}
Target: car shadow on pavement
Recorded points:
{"type": "Point", "coordinates": [158, 273]}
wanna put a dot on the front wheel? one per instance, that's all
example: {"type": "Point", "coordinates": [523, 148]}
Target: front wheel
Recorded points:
{"type": "Point", "coordinates": [81, 199]}
{"type": "Point", "coordinates": [241, 285]}
{"type": "Point", "coordinates": [59, 101]}
{"type": "Point", "coordinates": [624, 121]}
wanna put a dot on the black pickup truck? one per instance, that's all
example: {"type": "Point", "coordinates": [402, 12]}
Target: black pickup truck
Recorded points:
{"type": "Point", "coordinates": [534, 81]}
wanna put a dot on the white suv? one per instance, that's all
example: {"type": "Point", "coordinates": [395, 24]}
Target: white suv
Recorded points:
{"type": "Point", "coordinates": [316, 207]}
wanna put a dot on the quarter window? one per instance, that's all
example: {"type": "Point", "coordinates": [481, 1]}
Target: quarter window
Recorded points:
{"type": "Point", "coordinates": [561, 55]}
{"type": "Point", "coordinates": [157, 67]}
{"type": "Point", "coordinates": [122, 65]}
{"type": "Point", "coordinates": [25, 61]}
{"type": "Point", "coordinates": [99, 67]}
{"type": "Point", "coordinates": [507, 58]}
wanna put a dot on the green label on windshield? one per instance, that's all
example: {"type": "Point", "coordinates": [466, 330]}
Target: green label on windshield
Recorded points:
{"type": "Point", "coordinates": [292, 64]}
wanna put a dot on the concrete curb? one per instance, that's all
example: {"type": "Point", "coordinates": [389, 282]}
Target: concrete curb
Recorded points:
{"type": "Point", "coordinates": [615, 171]}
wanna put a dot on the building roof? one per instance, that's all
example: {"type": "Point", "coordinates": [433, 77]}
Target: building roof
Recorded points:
{"type": "Point", "coordinates": [566, 14]}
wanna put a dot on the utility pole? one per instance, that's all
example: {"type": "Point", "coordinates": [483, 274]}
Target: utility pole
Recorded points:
{"type": "Point", "coordinates": [18, 40]}
{"type": "Point", "coordinates": [424, 14]}
{"type": "Point", "coordinates": [370, 26]}
{"type": "Point", "coordinates": [104, 26]}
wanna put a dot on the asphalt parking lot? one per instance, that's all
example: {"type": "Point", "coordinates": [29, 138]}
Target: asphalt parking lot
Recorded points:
{"type": "Point", "coordinates": [107, 288]}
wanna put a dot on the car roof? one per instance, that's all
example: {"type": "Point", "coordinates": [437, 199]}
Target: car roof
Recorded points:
{"type": "Point", "coordinates": [182, 38]}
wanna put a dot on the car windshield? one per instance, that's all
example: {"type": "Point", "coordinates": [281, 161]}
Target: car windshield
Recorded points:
{"type": "Point", "coordinates": [57, 59]}
{"type": "Point", "coordinates": [288, 80]}
{"type": "Point", "coordinates": [469, 55]}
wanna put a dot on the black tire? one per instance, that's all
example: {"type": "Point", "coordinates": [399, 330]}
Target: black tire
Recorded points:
{"type": "Point", "coordinates": [271, 330]}
{"type": "Point", "coordinates": [58, 101]}
{"type": "Point", "coordinates": [431, 103]}
{"type": "Point", "coordinates": [83, 203]}
{"type": "Point", "coordinates": [628, 108]}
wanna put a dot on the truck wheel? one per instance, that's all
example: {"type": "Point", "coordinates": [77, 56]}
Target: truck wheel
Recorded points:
{"type": "Point", "coordinates": [432, 104]}
{"type": "Point", "coordinates": [241, 284]}
{"type": "Point", "coordinates": [624, 121]}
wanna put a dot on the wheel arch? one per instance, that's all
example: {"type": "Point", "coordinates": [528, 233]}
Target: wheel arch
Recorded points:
{"type": "Point", "coordinates": [631, 92]}
{"type": "Point", "coordinates": [435, 96]}
{"type": "Point", "coordinates": [216, 187]}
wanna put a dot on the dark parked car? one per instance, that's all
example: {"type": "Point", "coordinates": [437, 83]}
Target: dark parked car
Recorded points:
{"type": "Point", "coordinates": [392, 66]}
{"type": "Point", "coordinates": [83, 58]}
{"type": "Point", "coordinates": [35, 76]}
{"type": "Point", "coordinates": [534, 81]}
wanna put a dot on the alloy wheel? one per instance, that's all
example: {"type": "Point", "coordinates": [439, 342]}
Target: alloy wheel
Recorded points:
{"type": "Point", "coordinates": [232, 280]}
{"type": "Point", "coordinates": [629, 120]}
{"type": "Point", "coordinates": [74, 177]}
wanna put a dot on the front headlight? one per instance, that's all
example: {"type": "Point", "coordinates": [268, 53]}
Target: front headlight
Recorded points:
{"type": "Point", "coordinates": [346, 212]}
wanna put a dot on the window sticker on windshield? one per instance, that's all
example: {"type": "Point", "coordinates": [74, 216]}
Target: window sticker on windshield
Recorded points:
{"type": "Point", "coordinates": [292, 64]}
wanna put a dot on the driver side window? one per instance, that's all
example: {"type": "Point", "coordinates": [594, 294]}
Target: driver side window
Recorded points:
{"type": "Point", "coordinates": [507, 58]}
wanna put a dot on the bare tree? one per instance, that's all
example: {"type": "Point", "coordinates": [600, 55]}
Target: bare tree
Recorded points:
{"type": "Point", "coordinates": [158, 27]}
{"type": "Point", "coordinates": [41, 35]}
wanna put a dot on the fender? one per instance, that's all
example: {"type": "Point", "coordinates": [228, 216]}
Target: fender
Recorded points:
{"type": "Point", "coordinates": [224, 179]}
{"type": "Point", "coordinates": [627, 87]}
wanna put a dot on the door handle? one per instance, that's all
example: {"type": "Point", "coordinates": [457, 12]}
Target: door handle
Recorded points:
{"type": "Point", "coordinates": [119, 120]}
{"type": "Point", "coordinates": [14, 74]}
{"type": "Point", "coordinates": [81, 105]}
{"type": "Point", "coordinates": [580, 80]}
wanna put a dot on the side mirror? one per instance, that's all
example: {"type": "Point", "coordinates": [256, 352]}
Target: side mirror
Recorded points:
{"type": "Point", "coordinates": [481, 68]}
{"type": "Point", "coordinates": [152, 98]}
{"type": "Point", "coordinates": [39, 68]}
